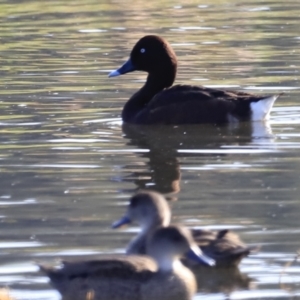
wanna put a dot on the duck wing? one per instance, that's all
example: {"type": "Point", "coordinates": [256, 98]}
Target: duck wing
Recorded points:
{"type": "Point", "coordinates": [181, 93]}
{"type": "Point", "coordinates": [100, 275]}
{"type": "Point", "coordinates": [184, 104]}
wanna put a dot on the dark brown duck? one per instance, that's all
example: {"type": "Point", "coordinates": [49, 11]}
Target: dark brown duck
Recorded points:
{"type": "Point", "coordinates": [158, 102]}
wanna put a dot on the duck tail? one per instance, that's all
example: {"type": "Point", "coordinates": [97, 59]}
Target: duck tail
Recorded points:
{"type": "Point", "coordinates": [55, 275]}
{"type": "Point", "coordinates": [254, 249]}
{"type": "Point", "coordinates": [46, 270]}
{"type": "Point", "coordinates": [261, 109]}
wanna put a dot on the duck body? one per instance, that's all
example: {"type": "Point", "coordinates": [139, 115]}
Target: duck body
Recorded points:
{"type": "Point", "coordinates": [158, 102]}
{"type": "Point", "coordinates": [158, 276]}
{"type": "Point", "coordinates": [151, 210]}
{"type": "Point", "coordinates": [224, 246]}
{"type": "Point", "coordinates": [128, 278]}
{"type": "Point", "coordinates": [185, 104]}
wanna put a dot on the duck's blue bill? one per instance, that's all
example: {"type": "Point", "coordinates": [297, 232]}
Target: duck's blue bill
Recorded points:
{"type": "Point", "coordinates": [124, 220]}
{"type": "Point", "coordinates": [196, 254]}
{"type": "Point", "coordinates": [126, 68]}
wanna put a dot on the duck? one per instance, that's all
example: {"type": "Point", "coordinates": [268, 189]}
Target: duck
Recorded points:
{"type": "Point", "coordinates": [160, 275]}
{"type": "Point", "coordinates": [150, 210]}
{"type": "Point", "coordinates": [158, 102]}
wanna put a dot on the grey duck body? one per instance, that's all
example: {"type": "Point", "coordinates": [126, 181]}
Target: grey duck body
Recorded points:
{"type": "Point", "coordinates": [151, 211]}
{"type": "Point", "coordinates": [133, 277]}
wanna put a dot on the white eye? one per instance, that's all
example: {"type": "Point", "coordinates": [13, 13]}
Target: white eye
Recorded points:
{"type": "Point", "coordinates": [143, 50]}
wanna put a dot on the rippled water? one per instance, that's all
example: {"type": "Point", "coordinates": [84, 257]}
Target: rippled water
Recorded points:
{"type": "Point", "coordinates": [68, 166]}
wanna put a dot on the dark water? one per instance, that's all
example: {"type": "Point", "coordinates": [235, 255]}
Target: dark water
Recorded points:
{"type": "Point", "coordinates": [68, 166]}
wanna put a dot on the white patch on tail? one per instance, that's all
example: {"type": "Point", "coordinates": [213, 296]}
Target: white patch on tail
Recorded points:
{"type": "Point", "coordinates": [261, 109]}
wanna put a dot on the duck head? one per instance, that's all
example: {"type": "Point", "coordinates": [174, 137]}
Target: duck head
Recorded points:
{"type": "Point", "coordinates": [149, 209]}
{"type": "Point", "coordinates": [168, 244]}
{"type": "Point", "coordinates": [154, 55]}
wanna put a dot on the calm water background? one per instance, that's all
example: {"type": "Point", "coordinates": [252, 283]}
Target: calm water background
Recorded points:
{"type": "Point", "coordinates": [68, 166]}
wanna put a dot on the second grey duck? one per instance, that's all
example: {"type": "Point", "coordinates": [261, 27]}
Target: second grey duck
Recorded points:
{"type": "Point", "coordinates": [151, 211]}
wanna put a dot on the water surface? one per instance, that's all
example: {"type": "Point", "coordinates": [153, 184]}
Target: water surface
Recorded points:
{"type": "Point", "coordinates": [68, 165]}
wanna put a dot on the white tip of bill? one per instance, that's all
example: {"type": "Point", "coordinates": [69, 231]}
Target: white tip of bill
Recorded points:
{"type": "Point", "coordinates": [114, 73]}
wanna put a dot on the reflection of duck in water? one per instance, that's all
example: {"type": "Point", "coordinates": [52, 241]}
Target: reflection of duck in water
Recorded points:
{"type": "Point", "coordinates": [151, 211]}
{"type": "Point", "coordinates": [161, 277]}
{"type": "Point", "coordinates": [166, 145]}
{"type": "Point", "coordinates": [159, 103]}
